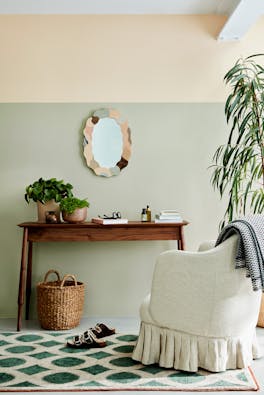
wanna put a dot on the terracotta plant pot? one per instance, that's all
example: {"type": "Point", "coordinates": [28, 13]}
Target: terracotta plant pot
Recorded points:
{"type": "Point", "coordinates": [79, 215]}
{"type": "Point", "coordinates": [48, 206]}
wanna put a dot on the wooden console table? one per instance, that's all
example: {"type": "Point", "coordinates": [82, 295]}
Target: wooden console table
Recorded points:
{"type": "Point", "coordinates": [87, 231]}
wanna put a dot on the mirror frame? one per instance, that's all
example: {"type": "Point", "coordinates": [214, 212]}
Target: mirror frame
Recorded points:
{"type": "Point", "coordinates": [88, 142]}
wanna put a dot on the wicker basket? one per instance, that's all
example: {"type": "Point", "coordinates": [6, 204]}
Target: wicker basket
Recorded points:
{"type": "Point", "coordinates": [60, 303]}
{"type": "Point", "coordinates": [261, 313]}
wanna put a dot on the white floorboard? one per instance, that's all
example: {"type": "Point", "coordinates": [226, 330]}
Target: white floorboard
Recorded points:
{"type": "Point", "coordinates": [130, 325]}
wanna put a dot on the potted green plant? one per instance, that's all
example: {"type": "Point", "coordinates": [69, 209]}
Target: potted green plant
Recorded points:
{"type": "Point", "coordinates": [48, 194]}
{"type": "Point", "coordinates": [74, 210]}
{"type": "Point", "coordinates": [239, 164]}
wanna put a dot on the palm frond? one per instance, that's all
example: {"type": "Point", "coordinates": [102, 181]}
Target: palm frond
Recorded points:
{"type": "Point", "coordinates": [238, 165]}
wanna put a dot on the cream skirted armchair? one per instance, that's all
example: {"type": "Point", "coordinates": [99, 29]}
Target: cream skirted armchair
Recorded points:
{"type": "Point", "coordinates": [201, 313]}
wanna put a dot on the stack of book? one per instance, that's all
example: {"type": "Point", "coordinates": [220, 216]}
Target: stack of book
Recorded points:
{"type": "Point", "coordinates": [168, 216]}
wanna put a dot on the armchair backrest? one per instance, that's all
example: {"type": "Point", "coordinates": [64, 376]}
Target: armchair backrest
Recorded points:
{"type": "Point", "coordinates": [202, 293]}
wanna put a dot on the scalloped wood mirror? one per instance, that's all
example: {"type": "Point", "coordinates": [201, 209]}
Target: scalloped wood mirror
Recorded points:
{"type": "Point", "coordinates": [107, 142]}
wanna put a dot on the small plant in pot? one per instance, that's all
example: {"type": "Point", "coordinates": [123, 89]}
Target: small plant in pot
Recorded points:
{"type": "Point", "coordinates": [48, 194]}
{"type": "Point", "coordinates": [74, 210]}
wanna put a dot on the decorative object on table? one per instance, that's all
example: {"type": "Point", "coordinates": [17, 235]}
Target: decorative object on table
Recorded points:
{"type": "Point", "coordinates": [74, 210]}
{"type": "Point", "coordinates": [144, 217]}
{"type": "Point", "coordinates": [166, 216]}
{"type": "Point", "coordinates": [114, 215]}
{"type": "Point", "coordinates": [113, 219]}
{"type": "Point", "coordinates": [51, 217]}
{"type": "Point", "coordinates": [60, 302]}
{"type": "Point", "coordinates": [45, 363]}
{"type": "Point", "coordinates": [107, 142]}
{"type": "Point", "coordinates": [148, 213]}
{"type": "Point", "coordinates": [238, 164]}
{"type": "Point", "coordinates": [47, 194]}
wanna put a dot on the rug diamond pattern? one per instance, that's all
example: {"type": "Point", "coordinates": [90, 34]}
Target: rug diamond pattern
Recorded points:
{"type": "Point", "coordinates": [95, 369]}
{"type": "Point", "coordinates": [100, 355]}
{"type": "Point", "coordinates": [43, 354]}
{"type": "Point", "coordinates": [43, 361]}
{"type": "Point", "coordinates": [50, 343]}
{"type": "Point", "coordinates": [34, 369]}
{"type": "Point", "coordinates": [3, 343]}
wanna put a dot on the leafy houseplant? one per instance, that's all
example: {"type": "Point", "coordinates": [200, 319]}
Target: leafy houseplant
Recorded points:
{"type": "Point", "coordinates": [239, 164]}
{"type": "Point", "coordinates": [72, 203]}
{"type": "Point", "coordinates": [74, 210]}
{"type": "Point", "coordinates": [48, 194]}
{"type": "Point", "coordinates": [45, 190]}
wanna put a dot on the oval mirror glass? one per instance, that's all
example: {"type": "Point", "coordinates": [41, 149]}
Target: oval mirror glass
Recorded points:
{"type": "Point", "coordinates": [107, 142]}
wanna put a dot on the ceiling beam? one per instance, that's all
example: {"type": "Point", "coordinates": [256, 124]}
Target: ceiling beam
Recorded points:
{"type": "Point", "coordinates": [241, 19]}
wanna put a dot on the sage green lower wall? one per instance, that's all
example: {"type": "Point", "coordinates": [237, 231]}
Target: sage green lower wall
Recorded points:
{"type": "Point", "coordinates": [173, 146]}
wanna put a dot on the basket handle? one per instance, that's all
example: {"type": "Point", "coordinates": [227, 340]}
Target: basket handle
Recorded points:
{"type": "Point", "coordinates": [49, 272]}
{"type": "Point", "coordinates": [66, 277]}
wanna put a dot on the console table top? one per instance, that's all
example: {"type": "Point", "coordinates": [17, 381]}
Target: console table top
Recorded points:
{"type": "Point", "coordinates": [94, 225]}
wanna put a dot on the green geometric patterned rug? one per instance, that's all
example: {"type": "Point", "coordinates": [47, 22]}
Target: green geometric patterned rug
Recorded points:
{"type": "Point", "coordinates": [42, 362]}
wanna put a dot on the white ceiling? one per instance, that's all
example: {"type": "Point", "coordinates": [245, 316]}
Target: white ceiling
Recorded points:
{"type": "Point", "coordinates": [242, 13]}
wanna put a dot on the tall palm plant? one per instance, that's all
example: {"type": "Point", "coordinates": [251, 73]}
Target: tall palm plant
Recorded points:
{"type": "Point", "coordinates": [239, 164]}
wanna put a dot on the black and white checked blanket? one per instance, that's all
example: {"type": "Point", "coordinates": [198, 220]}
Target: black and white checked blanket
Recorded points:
{"type": "Point", "coordinates": [250, 251]}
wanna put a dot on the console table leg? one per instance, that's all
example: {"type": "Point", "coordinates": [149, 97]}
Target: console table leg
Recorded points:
{"type": "Point", "coordinates": [181, 241]}
{"type": "Point", "coordinates": [28, 281]}
{"type": "Point", "coordinates": [21, 288]}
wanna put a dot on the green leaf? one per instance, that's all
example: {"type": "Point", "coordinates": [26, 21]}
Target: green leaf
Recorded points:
{"type": "Point", "coordinates": [254, 56]}
{"type": "Point", "coordinates": [230, 74]}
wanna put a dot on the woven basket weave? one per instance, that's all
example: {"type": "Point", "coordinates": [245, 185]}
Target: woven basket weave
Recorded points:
{"type": "Point", "coordinates": [60, 303]}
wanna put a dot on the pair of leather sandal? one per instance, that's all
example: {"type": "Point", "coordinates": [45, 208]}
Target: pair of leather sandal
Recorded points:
{"type": "Point", "coordinates": [91, 337]}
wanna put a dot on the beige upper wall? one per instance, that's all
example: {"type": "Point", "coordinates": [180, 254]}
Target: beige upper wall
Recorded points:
{"type": "Point", "coordinates": [117, 58]}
